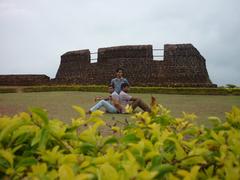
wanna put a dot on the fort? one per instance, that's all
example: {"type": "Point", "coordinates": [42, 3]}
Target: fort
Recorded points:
{"type": "Point", "coordinates": [182, 65]}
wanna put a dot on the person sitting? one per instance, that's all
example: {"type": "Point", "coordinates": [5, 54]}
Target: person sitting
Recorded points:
{"type": "Point", "coordinates": [116, 82]}
{"type": "Point", "coordinates": [111, 103]}
{"type": "Point", "coordinates": [126, 99]}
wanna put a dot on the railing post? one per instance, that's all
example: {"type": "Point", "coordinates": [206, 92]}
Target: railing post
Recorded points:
{"type": "Point", "coordinates": [93, 57]}
{"type": "Point", "coordinates": [158, 54]}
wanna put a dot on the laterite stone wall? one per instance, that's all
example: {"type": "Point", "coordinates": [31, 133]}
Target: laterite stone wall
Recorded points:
{"type": "Point", "coordinates": [183, 65]}
{"type": "Point", "coordinates": [24, 80]}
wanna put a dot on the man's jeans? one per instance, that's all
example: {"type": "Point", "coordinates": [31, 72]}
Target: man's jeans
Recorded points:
{"type": "Point", "coordinates": [109, 107]}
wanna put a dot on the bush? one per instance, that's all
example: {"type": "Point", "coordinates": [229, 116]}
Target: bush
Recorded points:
{"type": "Point", "coordinates": [8, 90]}
{"type": "Point", "coordinates": [102, 88]}
{"type": "Point", "coordinates": [231, 86]}
{"type": "Point", "coordinates": [183, 90]}
{"type": "Point", "coordinates": [92, 88]}
{"type": "Point", "coordinates": [158, 90]}
{"type": "Point", "coordinates": [154, 146]}
{"type": "Point", "coordinates": [236, 91]}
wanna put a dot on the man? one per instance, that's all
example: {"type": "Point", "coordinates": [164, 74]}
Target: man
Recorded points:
{"type": "Point", "coordinates": [111, 103]}
{"type": "Point", "coordinates": [116, 82]}
{"type": "Point", "coordinates": [126, 99]}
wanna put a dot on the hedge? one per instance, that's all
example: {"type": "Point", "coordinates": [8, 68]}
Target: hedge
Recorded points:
{"type": "Point", "coordinates": [102, 88]}
{"type": "Point", "coordinates": [8, 90]}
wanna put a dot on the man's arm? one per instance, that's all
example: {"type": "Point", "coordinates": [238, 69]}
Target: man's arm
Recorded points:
{"type": "Point", "coordinates": [126, 81]}
{"type": "Point", "coordinates": [98, 98]}
{"type": "Point", "coordinates": [112, 81]}
{"type": "Point", "coordinates": [108, 98]}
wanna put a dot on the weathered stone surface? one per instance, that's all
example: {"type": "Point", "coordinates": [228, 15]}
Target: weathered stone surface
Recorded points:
{"type": "Point", "coordinates": [183, 65]}
{"type": "Point", "coordinates": [24, 80]}
{"type": "Point", "coordinates": [119, 52]}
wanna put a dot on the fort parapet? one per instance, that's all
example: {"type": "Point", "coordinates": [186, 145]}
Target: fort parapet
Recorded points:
{"type": "Point", "coordinates": [182, 65]}
{"type": "Point", "coordinates": [24, 80]}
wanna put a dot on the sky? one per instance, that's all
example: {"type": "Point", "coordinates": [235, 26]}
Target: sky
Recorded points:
{"type": "Point", "coordinates": [35, 33]}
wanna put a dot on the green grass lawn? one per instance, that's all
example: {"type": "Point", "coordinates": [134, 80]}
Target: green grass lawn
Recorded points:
{"type": "Point", "coordinates": [59, 104]}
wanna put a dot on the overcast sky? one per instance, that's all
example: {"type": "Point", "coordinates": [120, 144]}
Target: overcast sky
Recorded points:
{"type": "Point", "coordinates": [35, 33]}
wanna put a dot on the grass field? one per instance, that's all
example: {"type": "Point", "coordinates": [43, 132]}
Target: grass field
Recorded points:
{"type": "Point", "coordinates": [59, 104]}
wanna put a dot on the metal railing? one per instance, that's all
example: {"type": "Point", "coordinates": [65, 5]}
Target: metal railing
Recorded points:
{"type": "Point", "coordinates": [158, 54]}
{"type": "Point", "coordinates": [93, 57]}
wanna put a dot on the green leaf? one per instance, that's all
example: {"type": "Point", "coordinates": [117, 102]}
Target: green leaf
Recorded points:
{"type": "Point", "coordinates": [5, 134]}
{"type": "Point", "coordinates": [8, 155]}
{"type": "Point", "coordinates": [130, 138]}
{"type": "Point", "coordinates": [169, 146]}
{"type": "Point", "coordinates": [39, 169]}
{"type": "Point", "coordinates": [41, 138]}
{"type": "Point", "coordinates": [164, 120]}
{"type": "Point", "coordinates": [37, 138]}
{"type": "Point", "coordinates": [87, 148]}
{"type": "Point", "coordinates": [66, 173]}
{"type": "Point", "coordinates": [57, 128]}
{"type": "Point", "coordinates": [106, 171]}
{"type": "Point", "coordinates": [196, 160]}
{"type": "Point", "coordinates": [164, 169]}
{"type": "Point", "coordinates": [215, 121]}
{"type": "Point", "coordinates": [26, 161]}
{"type": "Point", "coordinates": [233, 117]}
{"type": "Point", "coordinates": [41, 114]}
{"type": "Point", "coordinates": [80, 111]}
{"type": "Point", "coordinates": [140, 160]}
{"type": "Point", "coordinates": [89, 135]}
{"type": "Point", "coordinates": [209, 171]}
{"type": "Point", "coordinates": [44, 138]}
{"type": "Point", "coordinates": [70, 136]}
{"type": "Point", "coordinates": [24, 138]}
{"type": "Point", "coordinates": [51, 156]}
{"type": "Point", "coordinates": [25, 130]}
{"type": "Point", "coordinates": [3, 164]}
{"type": "Point", "coordinates": [193, 131]}
{"type": "Point", "coordinates": [111, 140]}
{"type": "Point", "coordinates": [180, 153]}
{"type": "Point", "coordinates": [156, 162]}
{"type": "Point", "coordinates": [69, 159]}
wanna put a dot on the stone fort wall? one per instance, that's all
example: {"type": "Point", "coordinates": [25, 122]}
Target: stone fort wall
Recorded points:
{"type": "Point", "coordinates": [182, 65]}
{"type": "Point", "coordinates": [24, 80]}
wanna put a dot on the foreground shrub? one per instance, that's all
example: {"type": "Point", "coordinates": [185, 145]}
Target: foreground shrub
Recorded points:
{"type": "Point", "coordinates": [154, 146]}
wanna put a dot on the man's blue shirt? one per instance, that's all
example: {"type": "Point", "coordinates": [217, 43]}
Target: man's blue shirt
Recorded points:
{"type": "Point", "coordinates": [117, 82]}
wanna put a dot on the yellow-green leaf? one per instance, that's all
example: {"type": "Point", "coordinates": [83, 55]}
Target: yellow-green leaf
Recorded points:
{"type": "Point", "coordinates": [106, 171]}
{"type": "Point", "coordinates": [81, 111]}
{"type": "Point", "coordinates": [8, 155]}
{"type": "Point", "coordinates": [66, 173]}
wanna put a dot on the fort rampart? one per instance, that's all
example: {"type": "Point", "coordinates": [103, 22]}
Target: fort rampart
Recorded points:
{"type": "Point", "coordinates": [24, 80]}
{"type": "Point", "coordinates": [182, 65]}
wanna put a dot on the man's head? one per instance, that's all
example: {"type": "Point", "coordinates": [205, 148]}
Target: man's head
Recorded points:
{"type": "Point", "coordinates": [111, 88]}
{"type": "Point", "coordinates": [119, 72]}
{"type": "Point", "coordinates": [125, 87]}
